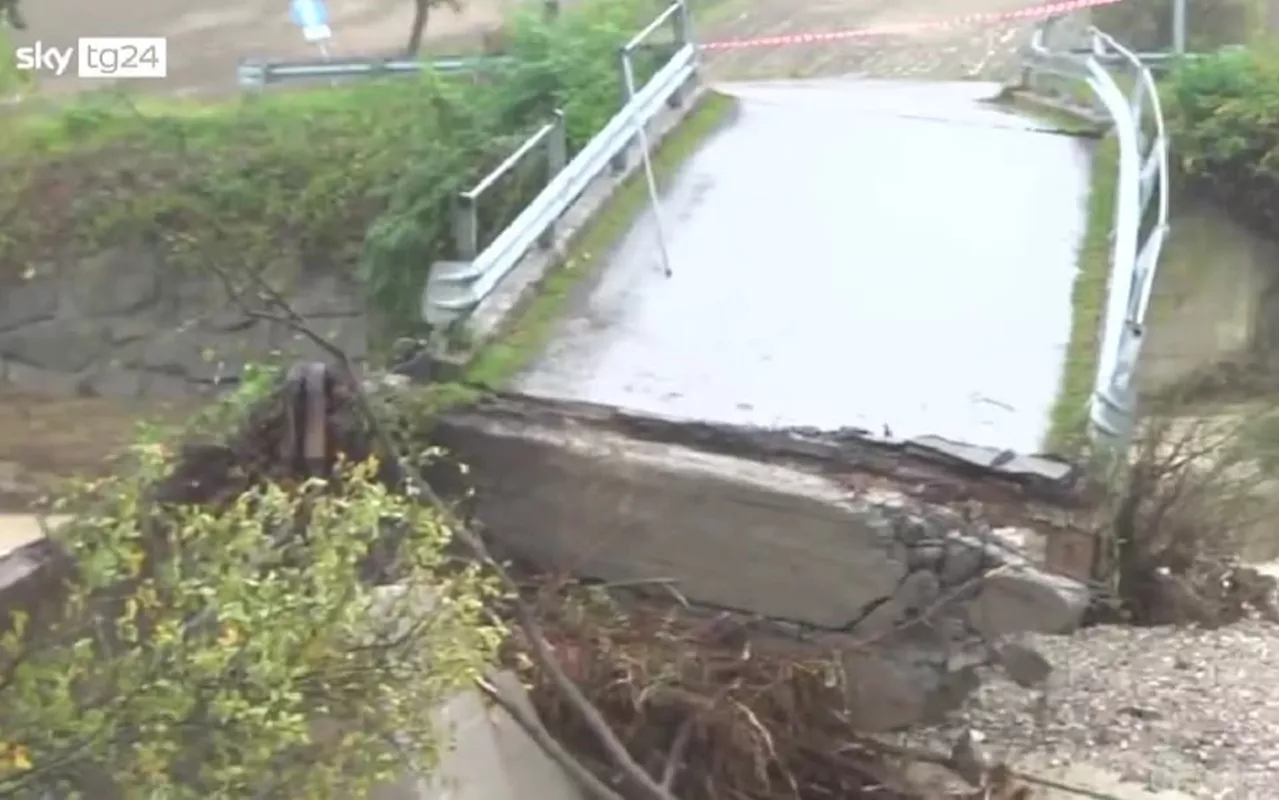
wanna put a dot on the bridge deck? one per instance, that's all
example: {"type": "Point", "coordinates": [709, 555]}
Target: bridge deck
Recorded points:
{"type": "Point", "coordinates": [847, 253]}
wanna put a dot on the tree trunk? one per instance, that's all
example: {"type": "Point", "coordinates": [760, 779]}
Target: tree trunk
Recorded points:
{"type": "Point", "coordinates": [1264, 334]}
{"type": "Point", "coordinates": [421, 9]}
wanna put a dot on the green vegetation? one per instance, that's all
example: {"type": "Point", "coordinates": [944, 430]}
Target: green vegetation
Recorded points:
{"type": "Point", "coordinates": [202, 648]}
{"type": "Point", "coordinates": [359, 176]}
{"type": "Point", "coordinates": [12, 80]}
{"type": "Point", "coordinates": [1069, 415]}
{"type": "Point", "coordinates": [1223, 117]}
{"type": "Point", "coordinates": [526, 336]}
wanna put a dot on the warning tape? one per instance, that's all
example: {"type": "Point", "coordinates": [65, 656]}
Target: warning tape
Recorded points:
{"type": "Point", "coordinates": [1032, 12]}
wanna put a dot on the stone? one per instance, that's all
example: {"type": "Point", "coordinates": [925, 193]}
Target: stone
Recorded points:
{"type": "Point", "coordinates": [121, 280]}
{"type": "Point", "coordinates": [928, 556]}
{"type": "Point", "coordinates": [969, 757]}
{"type": "Point", "coordinates": [28, 301]}
{"type": "Point", "coordinates": [230, 320]}
{"type": "Point", "coordinates": [168, 387]}
{"type": "Point", "coordinates": [884, 695]}
{"type": "Point", "coordinates": [327, 296]}
{"type": "Point", "coordinates": [57, 345]}
{"type": "Point", "coordinates": [902, 682]}
{"type": "Point", "coordinates": [1024, 666]}
{"type": "Point", "coordinates": [1021, 599]}
{"type": "Point", "coordinates": [964, 560]}
{"type": "Point", "coordinates": [915, 594]}
{"type": "Point", "coordinates": [117, 383]}
{"type": "Point", "coordinates": [348, 333]}
{"type": "Point", "coordinates": [39, 380]}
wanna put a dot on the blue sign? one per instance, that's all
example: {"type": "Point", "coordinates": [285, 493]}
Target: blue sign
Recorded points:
{"type": "Point", "coordinates": [312, 17]}
{"type": "Point", "coordinates": [308, 13]}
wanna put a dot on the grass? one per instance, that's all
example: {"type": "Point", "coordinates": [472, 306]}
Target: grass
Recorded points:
{"type": "Point", "coordinates": [498, 361]}
{"type": "Point", "coordinates": [1069, 416]}
{"type": "Point", "coordinates": [39, 125]}
{"type": "Point", "coordinates": [1068, 419]}
{"type": "Point", "coordinates": [1061, 120]}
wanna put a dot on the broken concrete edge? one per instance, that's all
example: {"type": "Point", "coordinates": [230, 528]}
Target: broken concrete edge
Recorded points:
{"type": "Point", "coordinates": [1071, 118]}
{"type": "Point", "coordinates": [908, 593]}
{"type": "Point", "coordinates": [932, 467]}
{"type": "Point", "coordinates": [1046, 494]}
{"type": "Point", "coordinates": [511, 323]}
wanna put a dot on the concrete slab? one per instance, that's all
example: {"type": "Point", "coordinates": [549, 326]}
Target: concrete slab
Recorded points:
{"type": "Point", "coordinates": [492, 758]}
{"type": "Point", "coordinates": [849, 253]}
{"type": "Point", "coordinates": [20, 530]}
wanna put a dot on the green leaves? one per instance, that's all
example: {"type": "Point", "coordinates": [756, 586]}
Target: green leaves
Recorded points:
{"type": "Point", "coordinates": [362, 175]}
{"type": "Point", "coordinates": [1223, 115]}
{"type": "Point", "coordinates": [226, 654]}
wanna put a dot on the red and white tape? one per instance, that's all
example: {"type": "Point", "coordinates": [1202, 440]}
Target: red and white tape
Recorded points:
{"type": "Point", "coordinates": [1032, 12]}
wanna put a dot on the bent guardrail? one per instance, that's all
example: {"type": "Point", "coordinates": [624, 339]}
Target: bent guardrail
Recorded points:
{"type": "Point", "coordinates": [1137, 235]}
{"type": "Point", "coordinates": [455, 288]}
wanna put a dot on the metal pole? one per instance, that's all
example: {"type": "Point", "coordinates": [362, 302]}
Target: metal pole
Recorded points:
{"type": "Point", "coordinates": [628, 75]}
{"type": "Point", "coordinates": [1180, 26]}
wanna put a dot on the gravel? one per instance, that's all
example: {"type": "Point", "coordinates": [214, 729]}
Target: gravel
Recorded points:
{"type": "Point", "coordinates": [1169, 708]}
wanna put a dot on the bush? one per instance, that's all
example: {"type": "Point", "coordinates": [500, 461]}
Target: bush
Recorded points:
{"type": "Point", "coordinates": [223, 637]}
{"type": "Point", "coordinates": [1221, 111]}
{"type": "Point", "coordinates": [360, 176]}
{"type": "Point", "coordinates": [1194, 497]}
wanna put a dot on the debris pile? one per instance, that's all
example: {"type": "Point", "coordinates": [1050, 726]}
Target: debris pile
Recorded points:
{"type": "Point", "coordinates": [719, 706]}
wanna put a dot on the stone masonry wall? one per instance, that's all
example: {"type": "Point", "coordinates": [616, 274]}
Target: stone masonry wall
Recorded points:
{"type": "Point", "coordinates": [124, 324]}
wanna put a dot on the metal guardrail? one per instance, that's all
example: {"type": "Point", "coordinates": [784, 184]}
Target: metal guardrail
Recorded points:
{"type": "Point", "coordinates": [253, 74]}
{"type": "Point", "coordinates": [455, 288]}
{"type": "Point", "coordinates": [256, 74]}
{"type": "Point", "coordinates": [1138, 232]}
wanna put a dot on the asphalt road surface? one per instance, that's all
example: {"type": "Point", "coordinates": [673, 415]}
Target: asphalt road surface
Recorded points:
{"type": "Point", "coordinates": [848, 253]}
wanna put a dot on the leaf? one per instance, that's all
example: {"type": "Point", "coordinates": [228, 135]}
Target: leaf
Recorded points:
{"type": "Point", "coordinates": [229, 636]}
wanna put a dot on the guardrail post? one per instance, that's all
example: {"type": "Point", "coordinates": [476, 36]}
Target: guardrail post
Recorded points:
{"type": "Point", "coordinates": [465, 228]}
{"type": "Point", "coordinates": [251, 75]}
{"type": "Point", "coordinates": [682, 33]}
{"type": "Point", "coordinates": [1180, 26]}
{"type": "Point", "coordinates": [557, 157]}
{"type": "Point", "coordinates": [618, 164]}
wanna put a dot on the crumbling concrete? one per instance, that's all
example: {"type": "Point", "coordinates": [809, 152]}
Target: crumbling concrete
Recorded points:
{"type": "Point", "coordinates": [881, 551]}
{"type": "Point", "coordinates": [913, 594]}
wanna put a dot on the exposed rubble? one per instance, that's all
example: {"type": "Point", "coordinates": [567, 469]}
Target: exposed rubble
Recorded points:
{"type": "Point", "coordinates": [914, 595]}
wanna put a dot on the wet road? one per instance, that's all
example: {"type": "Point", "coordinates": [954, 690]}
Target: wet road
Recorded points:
{"type": "Point", "coordinates": [847, 253]}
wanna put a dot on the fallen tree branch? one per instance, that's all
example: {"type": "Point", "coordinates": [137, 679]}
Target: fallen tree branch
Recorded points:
{"type": "Point", "coordinates": [538, 732]}
{"type": "Point", "coordinates": [419, 489]}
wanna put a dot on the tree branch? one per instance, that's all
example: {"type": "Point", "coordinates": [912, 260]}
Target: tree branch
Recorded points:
{"type": "Point", "coordinates": [539, 734]}
{"type": "Point", "coordinates": [422, 491]}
